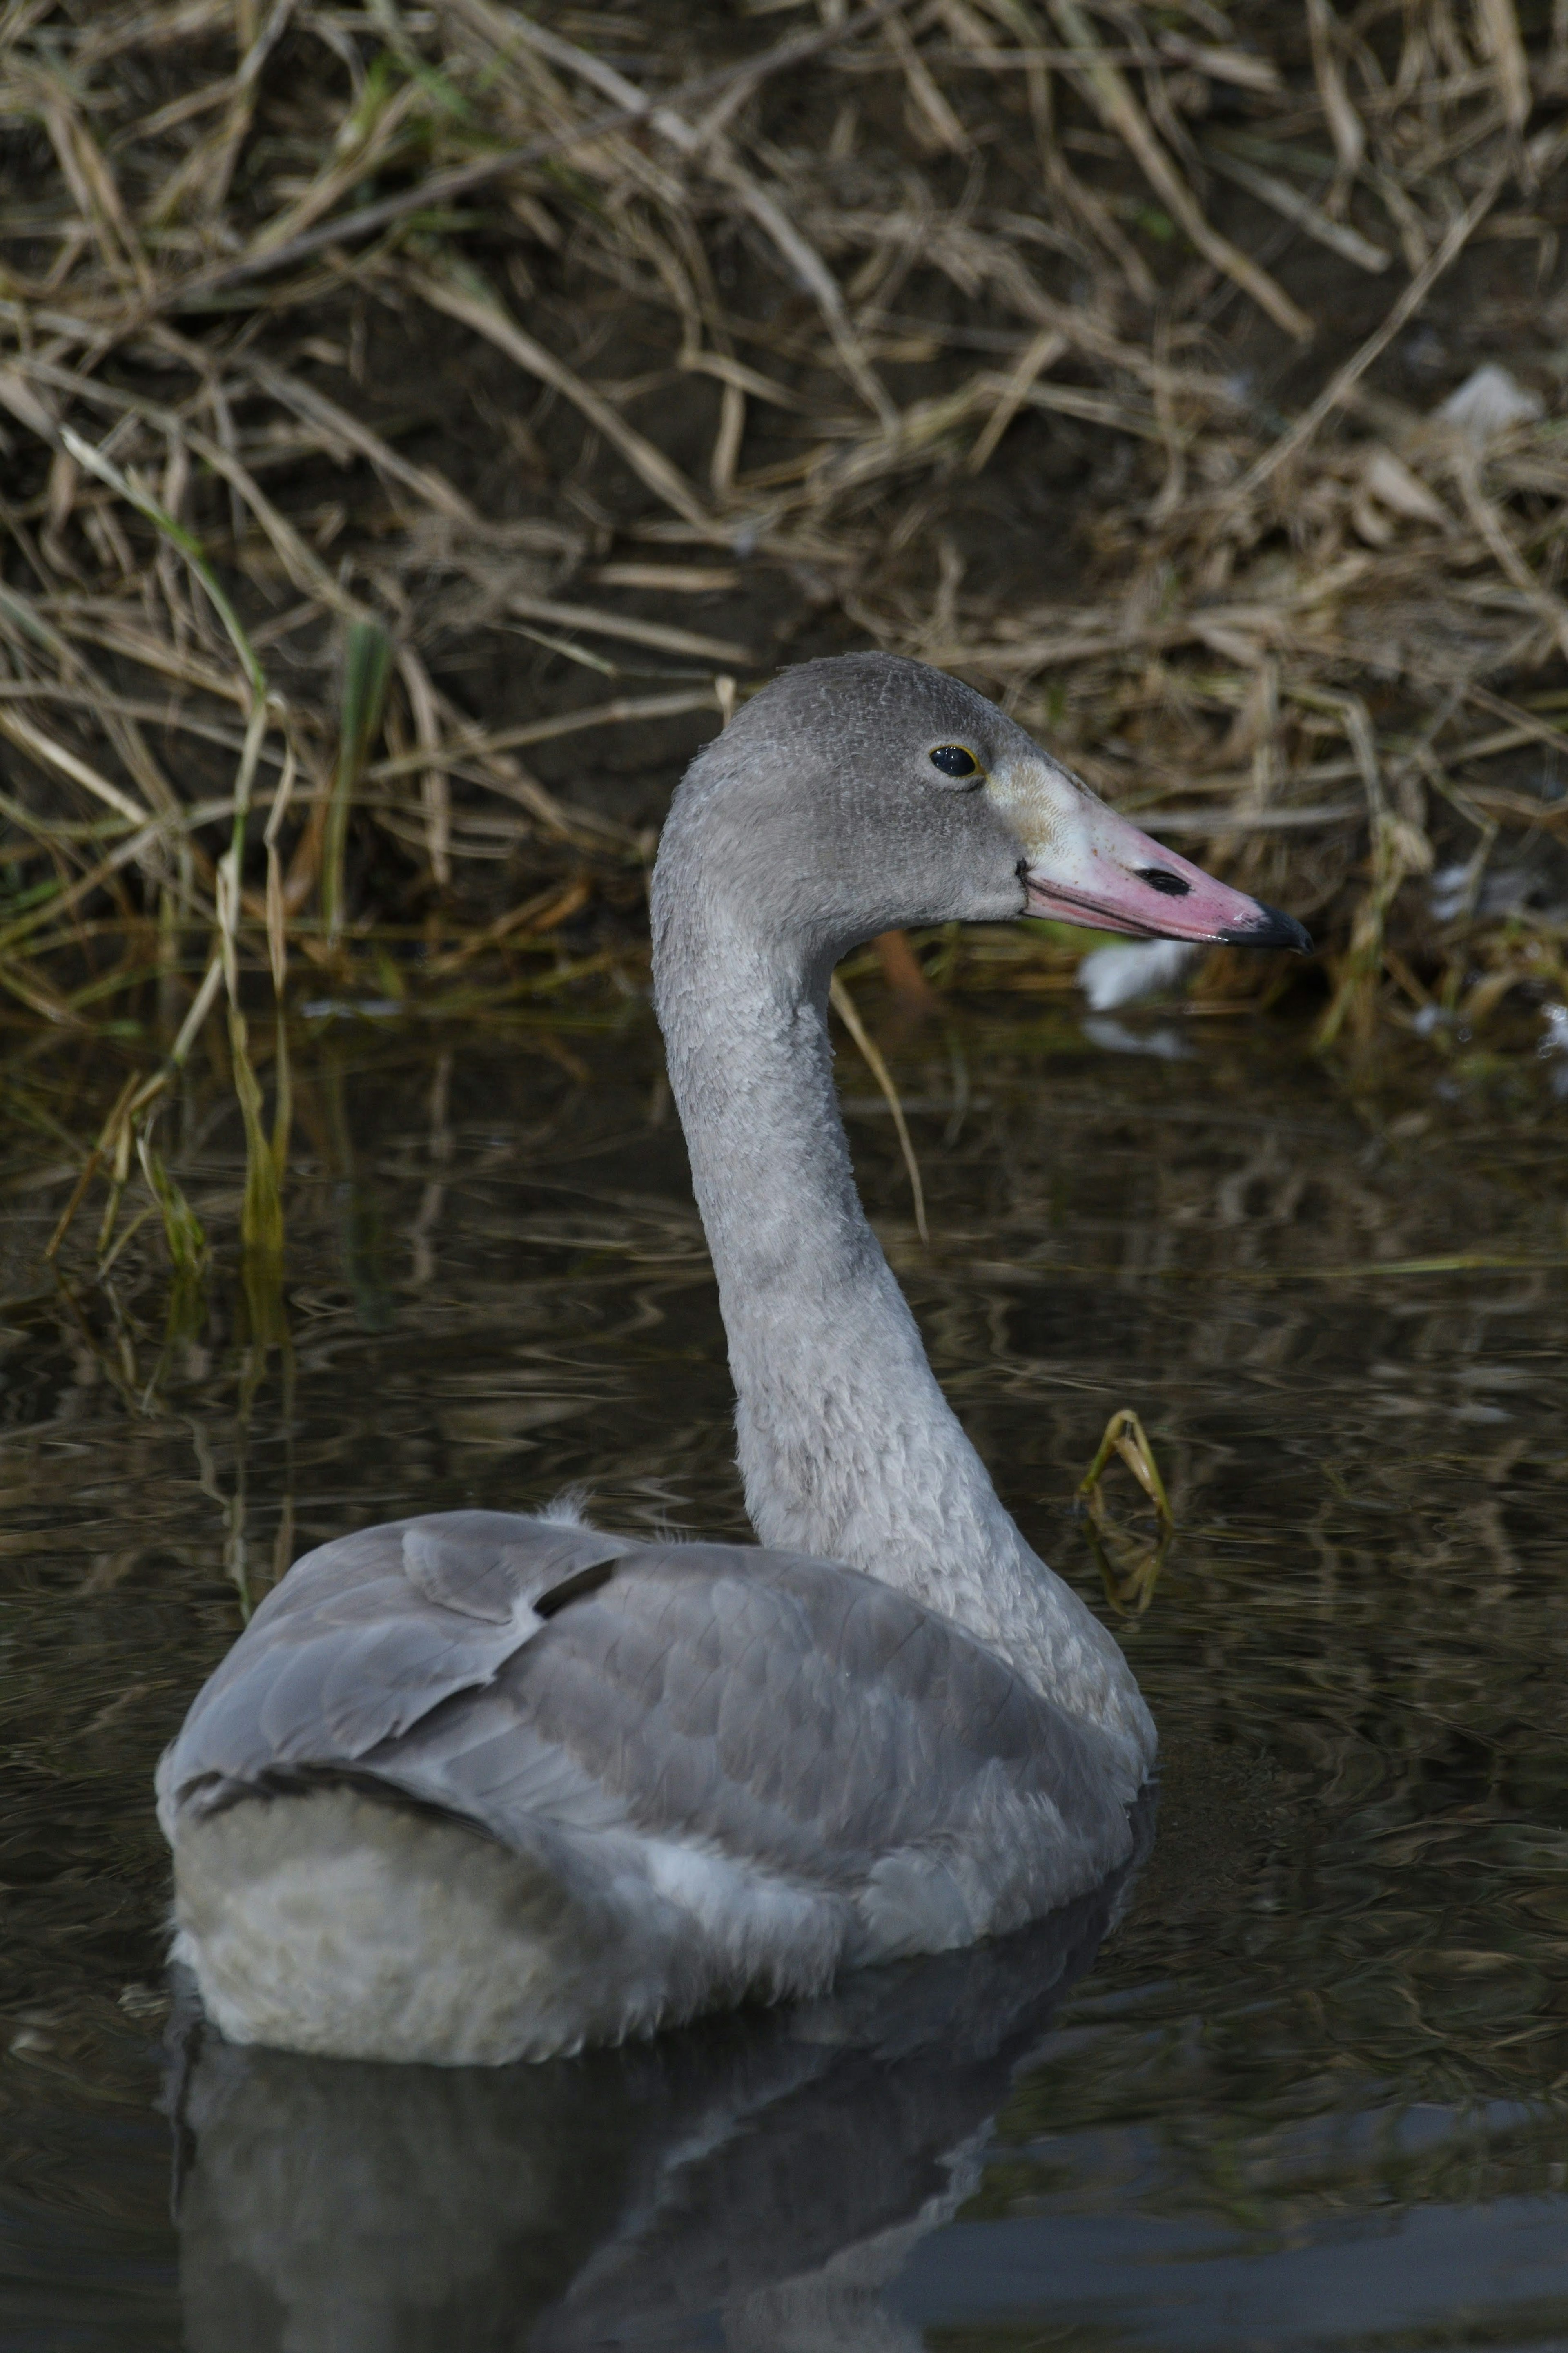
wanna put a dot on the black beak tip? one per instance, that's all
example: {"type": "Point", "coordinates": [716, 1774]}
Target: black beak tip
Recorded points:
{"type": "Point", "coordinates": [1272, 929]}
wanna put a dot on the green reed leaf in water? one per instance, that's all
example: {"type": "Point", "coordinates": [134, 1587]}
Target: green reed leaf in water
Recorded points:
{"type": "Point", "coordinates": [1130, 1561]}
{"type": "Point", "coordinates": [367, 673]}
{"type": "Point", "coordinates": [261, 1214]}
{"type": "Point", "coordinates": [183, 1230]}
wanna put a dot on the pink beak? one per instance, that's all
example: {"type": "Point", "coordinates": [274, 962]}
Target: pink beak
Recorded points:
{"type": "Point", "coordinates": [1111, 878]}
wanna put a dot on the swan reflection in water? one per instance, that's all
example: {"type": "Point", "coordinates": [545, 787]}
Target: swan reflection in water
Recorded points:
{"type": "Point", "coordinates": [752, 2182]}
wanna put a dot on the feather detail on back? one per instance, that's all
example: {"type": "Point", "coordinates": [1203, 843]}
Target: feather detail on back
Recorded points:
{"type": "Point", "coordinates": [474, 1789]}
{"type": "Point", "coordinates": [776, 1715]}
{"type": "Point", "coordinates": [364, 1638]}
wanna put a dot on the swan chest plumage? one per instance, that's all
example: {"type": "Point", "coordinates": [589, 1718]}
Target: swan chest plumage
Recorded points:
{"type": "Point", "coordinates": [476, 1786]}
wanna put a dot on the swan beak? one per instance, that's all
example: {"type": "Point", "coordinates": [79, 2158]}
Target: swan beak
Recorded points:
{"type": "Point", "coordinates": [1084, 864]}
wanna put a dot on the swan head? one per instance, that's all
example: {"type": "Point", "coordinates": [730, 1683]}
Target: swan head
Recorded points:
{"type": "Point", "coordinates": [866, 792]}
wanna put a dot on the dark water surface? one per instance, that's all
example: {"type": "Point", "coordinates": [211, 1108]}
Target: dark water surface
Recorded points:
{"type": "Point", "coordinates": [1312, 2091]}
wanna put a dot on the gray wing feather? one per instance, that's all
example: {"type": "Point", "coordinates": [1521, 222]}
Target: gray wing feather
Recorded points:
{"type": "Point", "coordinates": [778, 1710]}
{"type": "Point", "coordinates": [364, 1637]}
{"type": "Point", "coordinates": [783, 1709]}
{"type": "Point", "coordinates": [485, 1565]}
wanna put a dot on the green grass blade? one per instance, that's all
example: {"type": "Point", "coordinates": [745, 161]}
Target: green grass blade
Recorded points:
{"type": "Point", "coordinates": [367, 673]}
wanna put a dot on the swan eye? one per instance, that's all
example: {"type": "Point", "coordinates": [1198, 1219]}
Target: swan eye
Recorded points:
{"type": "Point", "coordinates": [954, 761]}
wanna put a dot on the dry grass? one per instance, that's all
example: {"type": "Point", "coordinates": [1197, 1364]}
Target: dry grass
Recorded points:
{"type": "Point", "coordinates": [1030, 336]}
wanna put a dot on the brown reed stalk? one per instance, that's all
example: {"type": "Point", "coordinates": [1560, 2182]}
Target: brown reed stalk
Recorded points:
{"type": "Point", "coordinates": [572, 352]}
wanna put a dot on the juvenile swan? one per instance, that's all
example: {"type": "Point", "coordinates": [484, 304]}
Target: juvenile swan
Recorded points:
{"type": "Point", "coordinates": [478, 1788]}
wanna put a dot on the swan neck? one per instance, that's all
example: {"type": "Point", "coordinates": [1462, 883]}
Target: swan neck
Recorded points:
{"type": "Point", "coordinates": [848, 1449]}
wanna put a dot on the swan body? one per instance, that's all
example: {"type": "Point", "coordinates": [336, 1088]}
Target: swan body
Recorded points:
{"type": "Point", "coordinates": [475, 1786]}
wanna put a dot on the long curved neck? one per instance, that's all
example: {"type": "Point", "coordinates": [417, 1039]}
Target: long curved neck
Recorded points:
{"type": "Point", "coordinates": [847, 1447]}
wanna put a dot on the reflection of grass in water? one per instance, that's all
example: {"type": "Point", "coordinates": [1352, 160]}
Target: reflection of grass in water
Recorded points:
{"type": "Point", "coordinates": [1356, 1898]}
{"type": "Point", "coordinates": [1272, 2163]}
{"type": "Point", "coordinates": [550, 992]}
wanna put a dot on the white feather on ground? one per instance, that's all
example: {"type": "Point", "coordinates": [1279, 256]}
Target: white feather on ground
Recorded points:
{"type": "Point", "coordinates": [1121, 975]}
{"type": "Point", "coordinates": [1490, 400]}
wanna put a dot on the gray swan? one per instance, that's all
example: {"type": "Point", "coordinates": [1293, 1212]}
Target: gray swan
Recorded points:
{"type": "Point", "coordinates": [473, 1788]}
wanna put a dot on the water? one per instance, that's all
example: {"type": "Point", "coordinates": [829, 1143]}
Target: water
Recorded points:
{"type": "Point", "coordinates": [1312, 2090]}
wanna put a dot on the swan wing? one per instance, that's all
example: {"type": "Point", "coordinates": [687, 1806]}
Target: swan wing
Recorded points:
{"type": "Point", "coordinates": [366, 1635]}
{"type": "Point", "coordinates": [785, 1714]}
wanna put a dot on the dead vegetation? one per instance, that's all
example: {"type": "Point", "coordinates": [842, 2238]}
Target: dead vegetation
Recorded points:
{"type": "Point", "coordinates": [421, 422]}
